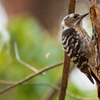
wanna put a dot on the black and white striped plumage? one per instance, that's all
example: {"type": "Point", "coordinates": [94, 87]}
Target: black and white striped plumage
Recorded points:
{"type": "Point", "coordinates": [78, 45]}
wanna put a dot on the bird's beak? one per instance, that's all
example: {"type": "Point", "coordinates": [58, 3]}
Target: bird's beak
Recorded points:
{"type": "Point", "coordinates": [83, 15]}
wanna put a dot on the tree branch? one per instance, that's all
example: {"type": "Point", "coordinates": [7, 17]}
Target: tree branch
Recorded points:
{"type": "Point", "coordinates": [66, 65]}
{"type": "Point", "coordinates": [29, 77]}
{"type": "Point", "coordinates": [53, 92]}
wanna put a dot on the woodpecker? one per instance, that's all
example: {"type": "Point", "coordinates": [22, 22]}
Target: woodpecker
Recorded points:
{"type": "Point", "coordinates": [79, 46]}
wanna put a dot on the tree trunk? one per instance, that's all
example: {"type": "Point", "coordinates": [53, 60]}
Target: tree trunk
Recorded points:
{"type": "Point", "coordinates": [94, 6]}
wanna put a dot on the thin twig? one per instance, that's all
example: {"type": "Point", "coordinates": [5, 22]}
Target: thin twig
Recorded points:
{"type": "Point", "coordinates": [48, 85]}
{"type": "Point", "coordinates": [29, 77]}
{"type": "Point", "coordinates": [78, 97]}
{"type": "Point", "coordinates": [33, 84]}
{"type": "Point", "coordinates": [22, 62]}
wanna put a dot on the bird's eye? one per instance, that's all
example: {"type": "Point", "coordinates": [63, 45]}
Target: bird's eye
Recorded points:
{"type": "Point", "coordinates": [75, 16]}
{"type": "Point", "coordinates": [62, 27]}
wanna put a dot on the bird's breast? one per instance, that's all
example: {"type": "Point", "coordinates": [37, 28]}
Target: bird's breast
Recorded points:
{"type": "Point", "coordinates": [71, 43]}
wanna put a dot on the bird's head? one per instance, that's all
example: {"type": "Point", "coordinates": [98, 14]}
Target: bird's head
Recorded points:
{"type": "Point", "coordinates": [73, 20]}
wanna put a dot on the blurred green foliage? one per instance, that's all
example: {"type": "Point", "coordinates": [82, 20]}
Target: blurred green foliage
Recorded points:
{"type": "Point", "coordinates": [33, 42]}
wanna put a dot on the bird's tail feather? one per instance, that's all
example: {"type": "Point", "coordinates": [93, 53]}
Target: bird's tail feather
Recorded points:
{"type": "Point", "coordinates": [95, 76]}
{"type": "Point", "coordinates": [88, 74]}
{"type": "Point", "coordinates": [94, 73]}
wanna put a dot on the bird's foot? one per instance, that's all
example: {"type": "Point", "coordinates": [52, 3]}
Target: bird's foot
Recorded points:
{"type": "Point", "coordinates": [95, 31]}
{"type": "Point", "coordinates": [95, 35]}
{"type": "Point", "coordinates": [98, 69]}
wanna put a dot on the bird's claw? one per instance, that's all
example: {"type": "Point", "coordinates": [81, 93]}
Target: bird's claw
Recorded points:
{"type": "Point", "coordinates": [95, 32]}
{"type": "Point", "coordinates": [98, 69]}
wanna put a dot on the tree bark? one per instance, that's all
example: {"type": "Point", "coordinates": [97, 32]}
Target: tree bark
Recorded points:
{"type": "Point", "coordinates": [66, 66]}
{"type": "Point", "coordinates": [94, 6]}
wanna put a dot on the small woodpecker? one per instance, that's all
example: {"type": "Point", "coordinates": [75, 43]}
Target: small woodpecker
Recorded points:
{"type": "Point", "coordinates": [78, 46]}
